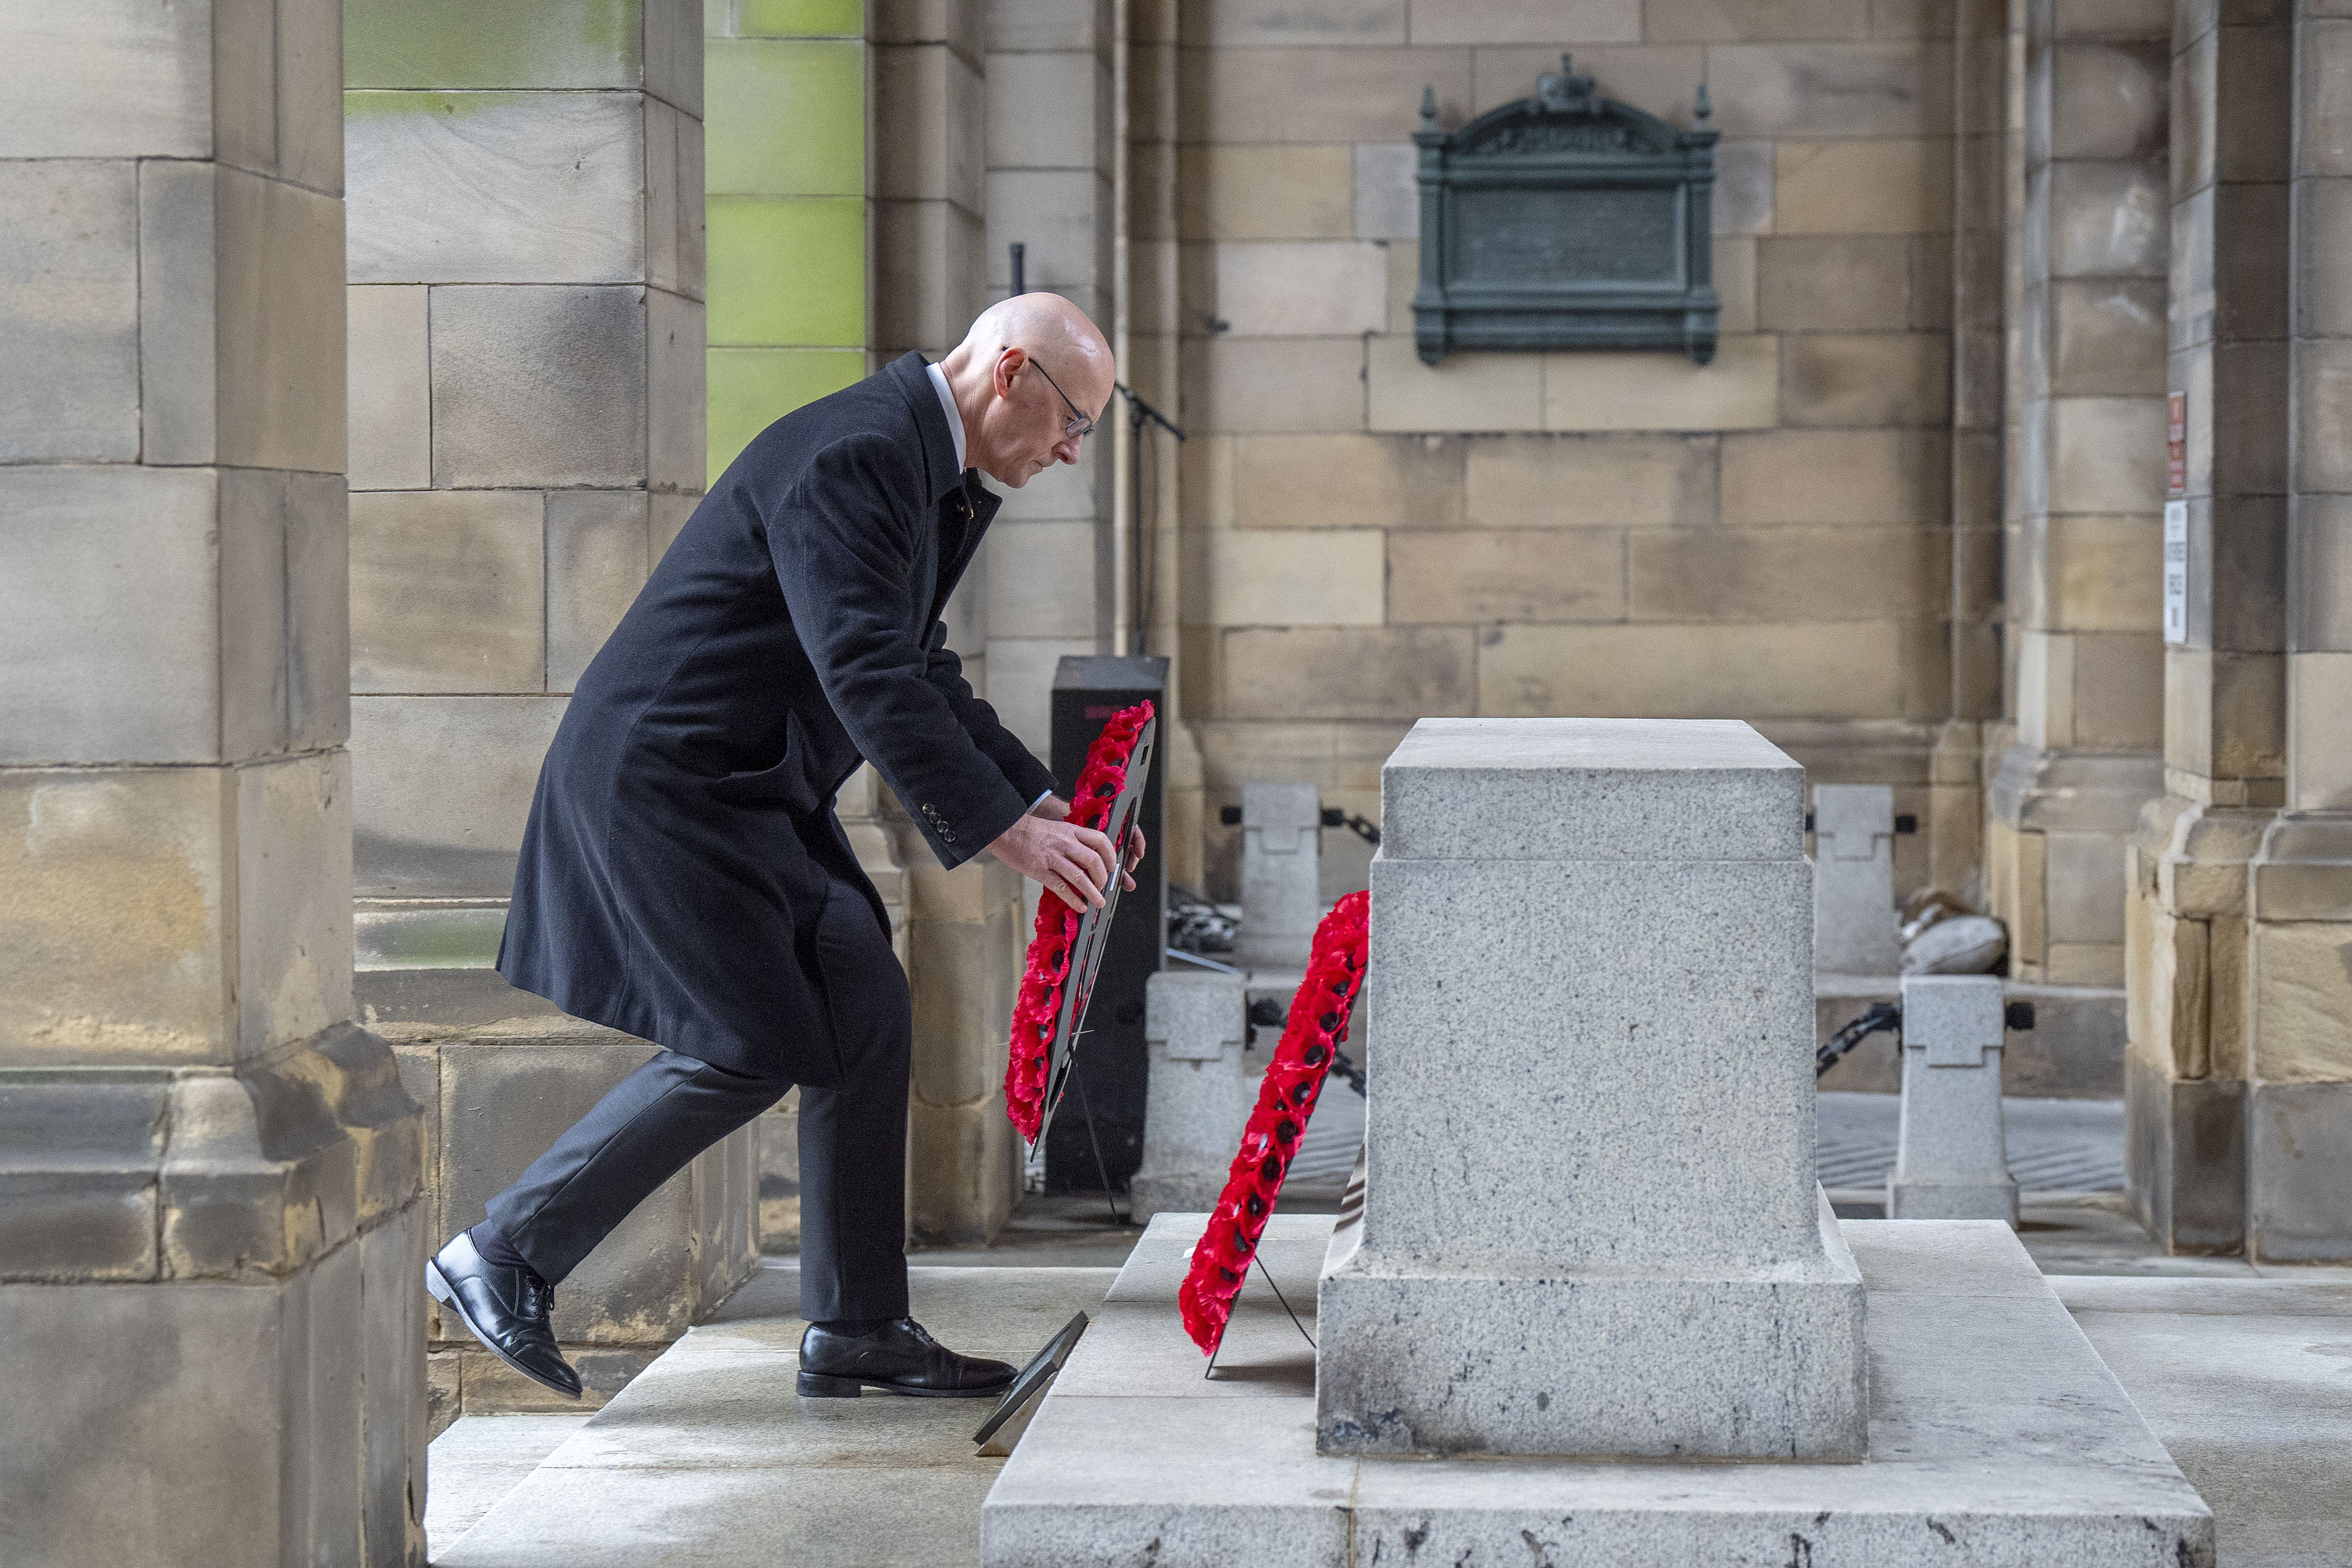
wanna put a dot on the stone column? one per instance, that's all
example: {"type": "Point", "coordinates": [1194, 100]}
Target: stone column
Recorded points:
{"type": "Point", "coordinates": [1050, 552]}
{"type": "Point", "coordinates": [2087, 491]}
{"type": "Point", "coordinates": [1854, 916]}
{"type": "Point", "coordinates": [1282, 892]}
{"type": "Point", "coordinates": [791, 302]}
{"type": "Point", "coordinates": [211, 1232]}
{"type": "Point", "coordinates": [526, 261]}
{"type": "Point", "coordinates": [1196, 1032]}
{"type": "Point", "coordinates": [1592, 1226]}
{"type": "Point", "coordinates": [2225, 708]}
{"type": "Point", "coordinates": [965, 939]}
{"type": "Point", "coordinates": [964, 933]}
{"type": "Point", "coordinates": [1952, 1159]}
{"type": "Point", "coordinates": [1954, 814]}
{"type": "Point", "coordinates": [2299, 990]}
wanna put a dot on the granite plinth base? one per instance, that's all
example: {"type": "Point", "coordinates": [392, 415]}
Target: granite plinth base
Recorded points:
{"type": "Point", "coordinates": [1762, 1364]}
{"type": "Point", "coordinates": [1997, 1438]}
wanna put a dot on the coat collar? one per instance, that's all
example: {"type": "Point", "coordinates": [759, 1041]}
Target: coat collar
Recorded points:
{"type": "Point", "coordinates": [941, 476]}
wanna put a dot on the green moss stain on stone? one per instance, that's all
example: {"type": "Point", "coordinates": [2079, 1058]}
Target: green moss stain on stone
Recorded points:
{"type": "Point", "coordinates": [787, 272]}
{"type": "Point", "coordinates": [752, 388]}
{"type": "Point", "coordinates": [451, 105]}
{"type": "Point", "coordinates": [784, 117]}
{"type": "Point", "coordinates": [493, 43]}
{"type": "Point", "coordinates": [800, 18]}
{"type": "Point", "coordinates": [784, 149]}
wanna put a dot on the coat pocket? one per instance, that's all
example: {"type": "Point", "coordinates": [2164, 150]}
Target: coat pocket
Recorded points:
{"type": "Point", "coordinates": [783, 786]}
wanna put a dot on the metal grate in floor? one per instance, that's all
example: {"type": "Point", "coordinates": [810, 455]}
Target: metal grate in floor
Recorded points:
{"type": "Point", "coordinates": [2055, 1145]}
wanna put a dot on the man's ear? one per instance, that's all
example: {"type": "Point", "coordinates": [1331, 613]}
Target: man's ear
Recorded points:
{"type": "Point", "coordinates": [1008, 365]}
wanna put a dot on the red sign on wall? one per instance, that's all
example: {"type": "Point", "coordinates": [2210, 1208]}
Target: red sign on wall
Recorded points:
{"type": "Point", "coordinates": [2176, 439]}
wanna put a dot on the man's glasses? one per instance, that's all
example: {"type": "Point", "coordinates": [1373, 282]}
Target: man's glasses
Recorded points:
{"type": "Point", "coordinates": [1080, 426]}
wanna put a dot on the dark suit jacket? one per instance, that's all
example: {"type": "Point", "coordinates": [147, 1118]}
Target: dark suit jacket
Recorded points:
{"type": "Point", "coordinates": [682, 844]}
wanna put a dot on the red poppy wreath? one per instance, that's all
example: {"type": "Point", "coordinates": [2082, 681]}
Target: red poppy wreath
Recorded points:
{"type": "Point", "coordinates": [1049, 968]}
{"type": "Point", "coordinates": [1294, 1080]}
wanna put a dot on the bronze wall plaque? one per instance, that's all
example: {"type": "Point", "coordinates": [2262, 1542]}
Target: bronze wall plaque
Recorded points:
{"type": "Point", "coordinates": [1565, 221]}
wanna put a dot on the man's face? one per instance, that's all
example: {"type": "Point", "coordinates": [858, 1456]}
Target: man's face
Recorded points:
{"type": "Point", "coordinates": [1033, 418]}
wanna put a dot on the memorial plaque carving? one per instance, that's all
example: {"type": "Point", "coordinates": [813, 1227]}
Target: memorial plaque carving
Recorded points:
{"type": "Point", "coordinates": [1565, 220]}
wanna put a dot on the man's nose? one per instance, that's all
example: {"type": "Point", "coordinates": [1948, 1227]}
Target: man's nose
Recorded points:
{"type": "Point", "coordinates": [1066, 450]}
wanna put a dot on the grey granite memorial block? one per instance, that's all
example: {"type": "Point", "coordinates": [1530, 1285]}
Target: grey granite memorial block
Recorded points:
{"type": "Point", "coordinates": [1854, 879]}
{"type": "Point", "coordinates": [1953, 1162]}
{"type": "Point", "coordinates": [1592, 1224]}
{"type": "Point", "coordinates": [1282, 839]}
{"type": "Point", "coordinates": [1199, 1094]}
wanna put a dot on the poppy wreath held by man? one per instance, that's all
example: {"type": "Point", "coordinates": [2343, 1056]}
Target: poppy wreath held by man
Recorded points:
{"type": "Point", "coordinates": [1049, 968]}
{"type": "Point", "coordinates": [1293, 1082]}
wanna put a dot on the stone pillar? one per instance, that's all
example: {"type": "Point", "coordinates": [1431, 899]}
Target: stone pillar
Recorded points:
{"type": "Point", "coordinates": [1050, 554]}
{"type": "Point", "coordinates": [1853, 879]}
{"type": "Point", "coordinates": [1282, 894]}
{"type": "Point", "coordinates": [2087, 487]}
{"type": "Point", "coordinates": [2225, 705]}
{"type": "Point", "coordinates": [1592, 1226]}
{"type": "Point", "coordinates": [792, 95]}
{"type": "Point", "coordinates": [965, 940]}
{"type": "Point", "coordinates": [211, 1233]}
{"type": "Point", "coordinates": [526, 262]}
{"type": "Point", "coordinates": [1955, 804]}
{"type": "Point", "coordinates": [1196, 1029]}
{"type": "Point", "coordinates": [2299, 990]}
{"type": "Point", "coordinates": [1952, 1161]}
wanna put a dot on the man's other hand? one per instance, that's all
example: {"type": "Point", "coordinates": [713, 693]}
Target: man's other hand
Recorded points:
{"type": "Point", "coordinates": [1073, 863]}
{"type": "Point", "coordinates": [1053, 808]}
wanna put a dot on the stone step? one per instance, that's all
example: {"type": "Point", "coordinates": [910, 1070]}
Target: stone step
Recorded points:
{"type": "Point", "coordinates": [1996, 1436]}
{"type": "Point", "coordinates": [709, 1457]}
{"type": "Point", "coordinates": [2241, 1378]}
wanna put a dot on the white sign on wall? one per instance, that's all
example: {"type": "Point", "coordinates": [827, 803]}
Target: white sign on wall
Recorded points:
{"type": "Point", "coordinates": [2176, 571]}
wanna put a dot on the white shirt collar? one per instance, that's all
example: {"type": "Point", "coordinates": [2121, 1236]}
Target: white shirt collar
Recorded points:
{"type": "Point", "coordinates": [947, 401]}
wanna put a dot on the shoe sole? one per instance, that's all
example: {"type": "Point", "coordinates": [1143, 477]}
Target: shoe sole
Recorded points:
{"type": "Point", "coordinates": [436, 1284]}
{"type": "Point", "coordinates": [818, 1385]}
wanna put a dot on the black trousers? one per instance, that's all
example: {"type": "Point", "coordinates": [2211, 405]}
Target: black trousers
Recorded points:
{"type": "Point", "coordinates": [853, 1138]}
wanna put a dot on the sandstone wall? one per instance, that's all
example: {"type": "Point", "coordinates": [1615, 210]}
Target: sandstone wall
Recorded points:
{"type": "Point", "coordinates": [1366, 539]}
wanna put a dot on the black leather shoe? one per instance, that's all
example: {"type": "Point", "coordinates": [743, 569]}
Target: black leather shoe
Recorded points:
{"type": "Point", "coordinates": [506, 1308]}
{"type": "Point", "coordinates": [898, 1357]}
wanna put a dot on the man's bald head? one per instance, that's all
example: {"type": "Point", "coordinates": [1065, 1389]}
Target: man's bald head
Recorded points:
{"type": "Point", "coordinates": [1041, 323]}
{"type": "Point", "coordinates": [1029, 367]}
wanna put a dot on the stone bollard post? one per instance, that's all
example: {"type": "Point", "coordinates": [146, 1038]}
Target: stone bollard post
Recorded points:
{"type": "Point", "coordinates": [1953, 1162]}
{"type": "Point", "coordinates": [1854, 879]}
{"type": "Point", "coordinates": [1592, 1226]}
{"type": "Point", "coordinates": [1282, 896]}
{"type": "Point", "coordinates": [1194, 1029]}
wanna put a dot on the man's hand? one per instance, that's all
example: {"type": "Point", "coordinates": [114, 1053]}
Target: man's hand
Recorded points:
{"type": "Point", "coordinates": [1055, 808]}
{"type": "Point", "coordinates": [1073, 863]}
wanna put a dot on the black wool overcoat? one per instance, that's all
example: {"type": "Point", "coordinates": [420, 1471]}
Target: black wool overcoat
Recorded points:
{"type": "Point", "coordinates": [682, 844]}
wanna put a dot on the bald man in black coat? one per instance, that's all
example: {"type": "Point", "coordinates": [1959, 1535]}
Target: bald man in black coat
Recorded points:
{"type": "Point", "coordinates": [684, 878]}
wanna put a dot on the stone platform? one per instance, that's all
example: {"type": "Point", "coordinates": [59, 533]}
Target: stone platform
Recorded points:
{"type": "Point", "coordinates": [1997, 1436]}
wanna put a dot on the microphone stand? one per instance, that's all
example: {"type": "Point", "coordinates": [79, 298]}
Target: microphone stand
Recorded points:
{"type": "Point", "coordinates": [1138, 415]}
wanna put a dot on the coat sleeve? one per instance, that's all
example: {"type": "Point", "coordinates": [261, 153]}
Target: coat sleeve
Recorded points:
{"type": "Point", "coordinates": [1029, 777]}
{"type": "Point", "coordinates": [844, 542]}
